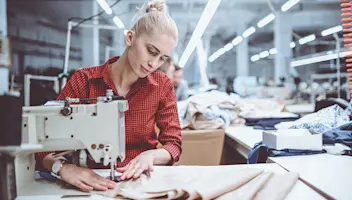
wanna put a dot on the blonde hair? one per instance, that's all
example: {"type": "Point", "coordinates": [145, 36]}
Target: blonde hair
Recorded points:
{"type": "Point", "coordinates": [153, 17]}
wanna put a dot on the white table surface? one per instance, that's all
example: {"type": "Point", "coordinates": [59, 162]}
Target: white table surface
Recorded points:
{"type": "Point", "coordinates": [245, 135]}
{"type": "Point", "coordinates": [331, 174]}
{"type": "Point", "coordinates": [43, 191]}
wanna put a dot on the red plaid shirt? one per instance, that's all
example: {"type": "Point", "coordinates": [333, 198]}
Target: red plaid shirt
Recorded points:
{"type": "Point", "coordinates": [151, 100]}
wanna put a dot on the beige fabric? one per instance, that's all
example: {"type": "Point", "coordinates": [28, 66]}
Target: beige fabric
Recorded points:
{"type": "Point", "coordinates": [267, 186]}
{"type": "Point", "coordinates": [206, 183]}
{"type": "Point", "coordinates": [277, 187]}
{"type": "Point", "coordinates": [198, 103]}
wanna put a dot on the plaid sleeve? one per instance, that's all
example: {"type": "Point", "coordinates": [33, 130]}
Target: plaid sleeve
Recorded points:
{"type": "Point", "coordinates": [168, 122]}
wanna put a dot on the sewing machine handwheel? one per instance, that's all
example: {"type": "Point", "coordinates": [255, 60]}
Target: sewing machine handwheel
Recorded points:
{"type": "Point", "coordinates": [66, 111]}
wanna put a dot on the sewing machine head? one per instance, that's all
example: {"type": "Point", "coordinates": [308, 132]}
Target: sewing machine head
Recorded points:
{"type": "Point", "coordinates": [98, 128]}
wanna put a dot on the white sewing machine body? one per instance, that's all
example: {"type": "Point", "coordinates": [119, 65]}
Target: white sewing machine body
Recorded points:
{"type": "Point", "coordinates": [98, 128]}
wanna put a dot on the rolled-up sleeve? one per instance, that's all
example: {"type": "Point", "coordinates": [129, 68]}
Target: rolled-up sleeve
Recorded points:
{"type": "Point", "coordinates": [168, 122]}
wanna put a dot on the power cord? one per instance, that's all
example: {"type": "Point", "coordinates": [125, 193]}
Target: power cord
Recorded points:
{"type": "Point", "coordinates": [93, 16]}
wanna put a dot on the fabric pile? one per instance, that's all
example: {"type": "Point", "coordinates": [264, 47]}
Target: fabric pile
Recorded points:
{"type": "Point", "coordinates": [268, 123]}
{"type": "Point", "coordinates": [319, 122]}
{"type": "Point", "coordinates": [194, 182]}
{"type": "Point", "coordinates": [336, 141]}
{"type": "Point", "coordinates": [209, 110]}
{"type": "Point", "coordinates": [218, 110]}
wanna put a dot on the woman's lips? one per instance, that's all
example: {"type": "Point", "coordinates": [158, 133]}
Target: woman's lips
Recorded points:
{"type": "Point", "coordinates": [144, 70]}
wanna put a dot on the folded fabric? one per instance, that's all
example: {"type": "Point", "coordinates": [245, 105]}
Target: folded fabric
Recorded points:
{"type": "Point", "coordinates": [342, 134]}
{"type": "Point", "coordinates": [194, 182]}
{"type": "Point", "coordinates": [261, 152]}
{"type": "Point", "coordinates": [338, 149]}
{"type": "Point", "coordinates": [223, 115]}
{"type": "Point", "coordinates": [271, 186]}
{"type": "Point", "coordinates": [267, 123]}
{"type": "Point", "coordinates": [210, 110]}
{"type": "Point", "coordinates": [320, 122]}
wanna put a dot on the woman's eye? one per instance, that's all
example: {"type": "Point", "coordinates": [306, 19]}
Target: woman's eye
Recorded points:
{"type": "Point", "coordinates": [152, 52]}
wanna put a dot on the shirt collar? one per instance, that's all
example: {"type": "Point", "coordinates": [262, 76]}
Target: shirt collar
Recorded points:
{"type": "Point", "coordinates": [103, 71]}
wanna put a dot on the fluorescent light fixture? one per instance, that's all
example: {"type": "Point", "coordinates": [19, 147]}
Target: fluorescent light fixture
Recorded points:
{"type": "Point", "coordinates": [322, 58]}
{"type": "Point", "coordinates": [221, 51]}
{"type": "Point", "coordinates": [289, 4]}
{"type": "Point", "coordinates": [307, 39]}
{"type": "Point", "coordinates": [228, 47]}
{"type": "Point", "coordinates": [331, 30]}
{"type": "Point", "coordinates": [237, 40]}
{"type": "Point", "coordinates": [273, 51]}
{"type": "Point", "coordinates": [344, 54]}
{"type": "Point", "coordinates": [203, 22]}
{"type": "Point", "coordinates": [211, 59]}
{"type": "Point", "coordinates": [248, 32]}
{"type": "Point", "coordinates": [313, 60]}
{"type": "Point", "coordinates": [292, 45]}
{"type": "Point", "coordinates": [264, 54]}
{"type": "Point", "coordinates": [118, 22]}
{"type": "Point", "coordinates": [255, 58]}
{"type": "Point", "coordinates": [105, 6]}
{"type": "Point", "coordinates": [266, 20]}
{"type": "Point", "coordinates": [125, 31]}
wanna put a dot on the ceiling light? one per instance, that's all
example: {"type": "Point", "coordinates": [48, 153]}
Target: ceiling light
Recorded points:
{"type": "Point", "coordinates": [211, 59]}
{"type": "Point", "coordinates": [125, 31]}
{"type": "Point", "coordinates": [264, 54]}
{"type": "Point", "coordinates": [266, 20]}
{"type": "Point", "coordinates": [307, 39]}
{"type": "Point", "coordinates": [289, 4]}
{"type": "Point", "coordinates": [221, 51]}
{"type": "Point", "coordinates": [118, 22]}
{"type": "Point", "coordinates": [273, 51]}
{"type": "Point", "coordinates": [237, 40]}
{"type": "Point", "coordinates": [292, 45]}
{"type": "Point", "coordinates": [329, 56]}
{"type": "Point", "coordinates": [105, 6]}
{"type": "Point", "coordinates": [228, 47]}
{"type": "Point", "coordinates": [255, 58]}
{"type": "Point", "coordinates": [248, 32]}
{"type": "Point", "coordinates": [331, 30]}
{"type": "Point", "coordinates": [313, 60]}
{"type": "Point", "coordinates": [203, 22]}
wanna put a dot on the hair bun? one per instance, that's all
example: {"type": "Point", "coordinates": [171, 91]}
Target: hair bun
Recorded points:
{"type": "Point", "coordinates": [155, 5]}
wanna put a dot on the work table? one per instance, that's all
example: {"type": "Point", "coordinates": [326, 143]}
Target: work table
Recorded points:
{"type": "Point", "coordinates": [328, 174]}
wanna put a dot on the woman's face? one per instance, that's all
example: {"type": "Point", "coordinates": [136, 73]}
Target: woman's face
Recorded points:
{"type": "Point", "coordinates": [148, 52]}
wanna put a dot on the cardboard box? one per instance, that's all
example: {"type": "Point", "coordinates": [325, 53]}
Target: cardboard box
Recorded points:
{"type": "Point", "coordinates": [300, 139]}
{"type": "Point", "coordinates": [202, 147]}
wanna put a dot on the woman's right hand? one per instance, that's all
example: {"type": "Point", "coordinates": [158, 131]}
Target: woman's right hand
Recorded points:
{"type": "Point", "coordinates": [85, 179]}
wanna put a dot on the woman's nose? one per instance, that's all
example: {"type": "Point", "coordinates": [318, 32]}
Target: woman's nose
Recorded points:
{"type": "Point", "coordinates": [152, 63]}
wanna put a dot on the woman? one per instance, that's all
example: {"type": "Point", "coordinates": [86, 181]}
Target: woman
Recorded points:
{"type": "Point", "coordinates": [150, 95]}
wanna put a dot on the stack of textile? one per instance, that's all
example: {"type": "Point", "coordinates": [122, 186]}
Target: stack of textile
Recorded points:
{"type": "Point", "coordinates": [320, 122]}
{"type": "Point", "coordinates": [209, 110]}
{"type": "Point", "coordinates": [333, 122]}
{"type": "Point", "coordinates": [218, 110]}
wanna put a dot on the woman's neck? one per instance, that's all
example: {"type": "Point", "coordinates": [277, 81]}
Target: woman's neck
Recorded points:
{"type": "Point", "coordinates": [121, 73]}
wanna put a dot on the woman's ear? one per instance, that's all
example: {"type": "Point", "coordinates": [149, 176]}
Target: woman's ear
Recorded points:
{"type": "Point", "coordinates": [129, 37]}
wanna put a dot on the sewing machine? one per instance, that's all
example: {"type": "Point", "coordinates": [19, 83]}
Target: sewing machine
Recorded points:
{"type": "Point", "coordinates": [97, 129]}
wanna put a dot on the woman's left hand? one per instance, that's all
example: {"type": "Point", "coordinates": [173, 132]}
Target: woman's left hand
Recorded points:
{"type": "Point", "coordinates": [140, 164]}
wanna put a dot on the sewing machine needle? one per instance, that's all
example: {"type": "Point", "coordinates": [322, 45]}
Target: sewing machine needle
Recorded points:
{"type": "Point", "coordinates": [112, 171]}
